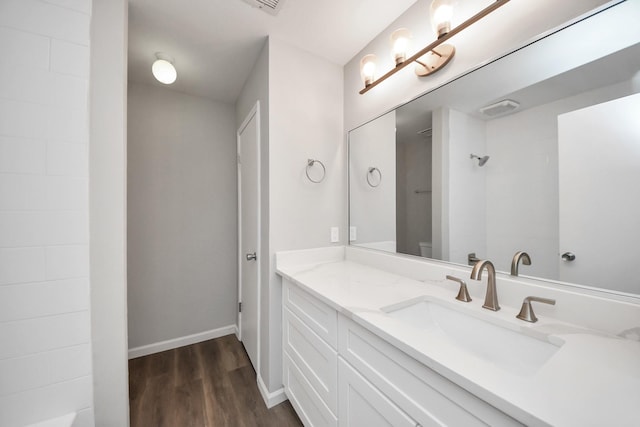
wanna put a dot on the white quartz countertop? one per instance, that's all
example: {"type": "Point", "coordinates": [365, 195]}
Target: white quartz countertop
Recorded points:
{"type": "Point", "coordinates": [593, 379]}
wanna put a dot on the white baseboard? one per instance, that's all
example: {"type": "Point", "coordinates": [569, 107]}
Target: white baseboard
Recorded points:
{"type": "Point", "coordinates": [181, 341]}
{"type": "Point", "coordinates": [271, 399]}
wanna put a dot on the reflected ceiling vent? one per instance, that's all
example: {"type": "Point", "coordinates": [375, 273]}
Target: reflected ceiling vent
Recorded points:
{"type": "Point", "coordinates": [425, 132]}
{"type": "Point", "coordinates": [272, 7]}
{"type": "Point", "coordinates": [499, 108]}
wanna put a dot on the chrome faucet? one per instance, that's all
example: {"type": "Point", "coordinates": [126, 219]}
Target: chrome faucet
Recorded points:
{"type": "Point", "coordinates": [491, 297]}
{"type": "Point", "coordinates": [520, 255]}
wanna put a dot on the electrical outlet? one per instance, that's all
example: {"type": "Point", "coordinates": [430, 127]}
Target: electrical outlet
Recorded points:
{"type": "Point", "coordinates": [335, 234]}
{"type": "Point", "coordinates": [352, 233]}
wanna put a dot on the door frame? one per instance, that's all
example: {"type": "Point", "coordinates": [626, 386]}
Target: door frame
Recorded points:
{"type": "Point", "coordinates": [255, 111]}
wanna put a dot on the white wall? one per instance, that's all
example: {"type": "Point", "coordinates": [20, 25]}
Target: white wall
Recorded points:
{"type": "Point", "coordinates": [522, 183]}
{"type": "Point", "coordinates": [107, 210]}
{"type": "Point", "coordinates": [305, 121]}
{"type": "Point", "coordinates": [507, 28]}
{"type": "Point", "coordinates": [459, 188]}
{"type": "Point", "coordinates": [298, 121]}
{"type": "Point", "coordinates": [182, 211]}
{"type": "Point", "coordinates": [45, 327]}
{"type": "Point", "coordinates": [467, 187]}
{"type": "Point", "coordinates": [373, 209]}
{"type": "Point", "coordinates": [440, 184]}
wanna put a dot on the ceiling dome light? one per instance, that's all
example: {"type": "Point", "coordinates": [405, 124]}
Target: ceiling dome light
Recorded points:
{"type": "Point", "coordinates": [163, 70]}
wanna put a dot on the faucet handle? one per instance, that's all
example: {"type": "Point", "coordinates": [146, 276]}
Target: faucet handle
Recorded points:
{"type": "Point", "coordinates": [526, 312]}
{"type": "Point", "coordinates": [463, 293]}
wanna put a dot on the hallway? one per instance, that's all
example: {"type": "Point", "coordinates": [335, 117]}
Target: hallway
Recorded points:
{"type": "Point", "coordinates": [208, 384]}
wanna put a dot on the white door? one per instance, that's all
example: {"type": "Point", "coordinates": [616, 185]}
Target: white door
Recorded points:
{"type": "Point", "coordinates": [599, 177]}
{"type": "Point", "coordinates": [249, 234]}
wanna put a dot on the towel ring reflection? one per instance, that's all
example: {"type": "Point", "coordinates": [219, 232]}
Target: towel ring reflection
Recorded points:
{"type": "Point", "coordinates": [310, 163]}
{"type": "Point", "coordinates": [370, 172]}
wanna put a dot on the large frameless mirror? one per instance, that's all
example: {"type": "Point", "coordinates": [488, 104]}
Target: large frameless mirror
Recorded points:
{"type": "Point", "coordinates": [508, 159]}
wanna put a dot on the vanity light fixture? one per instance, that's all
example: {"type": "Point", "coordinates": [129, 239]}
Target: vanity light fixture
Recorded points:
{"type": "Point", "coordinates": [163, 69]}
{"type": "Point", "coordinates": [432, 57]}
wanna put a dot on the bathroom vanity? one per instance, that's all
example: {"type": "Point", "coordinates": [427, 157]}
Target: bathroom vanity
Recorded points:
{"type": "Point", "coordinates": [374, 336]}
{"type": "Point", "coordinates": [371, 338]}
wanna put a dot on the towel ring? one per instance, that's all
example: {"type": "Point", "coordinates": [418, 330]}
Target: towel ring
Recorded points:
{"type": "Point", "coordinates": [370, 172]}
{"type": "Point", "coordinates": [310, 163]}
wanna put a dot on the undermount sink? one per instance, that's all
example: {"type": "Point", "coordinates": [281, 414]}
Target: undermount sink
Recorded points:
{"type": "Point", "coordinates": [503, 347]}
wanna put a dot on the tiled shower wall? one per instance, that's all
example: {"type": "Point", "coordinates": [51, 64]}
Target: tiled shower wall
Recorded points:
{"type": "Point", "coordinates": [45, 330]}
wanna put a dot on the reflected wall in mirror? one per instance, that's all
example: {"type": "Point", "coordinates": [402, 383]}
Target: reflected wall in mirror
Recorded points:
{"type": "Point", "coordinates": [562, 174]}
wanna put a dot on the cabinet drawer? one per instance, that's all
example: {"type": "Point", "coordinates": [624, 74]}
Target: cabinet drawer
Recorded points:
{"type": "Point", "coordinates": [315, 359]}
{"type": "Point", "coordinates": [307, 403]}
{"type": "Point", "coordinates": [426, 396]}
{"type": "Point", "coordinates": [362, 405]}
{"type": "Point", "coordinates": [321, 318]}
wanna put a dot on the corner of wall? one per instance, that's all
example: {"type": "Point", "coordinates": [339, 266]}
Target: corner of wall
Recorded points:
{"type": "Point", "coordinates": [300, 213]}
{"type": "Point", "coordinates": [107, 211]}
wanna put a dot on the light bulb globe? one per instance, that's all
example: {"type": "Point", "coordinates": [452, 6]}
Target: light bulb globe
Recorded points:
{"type": "Point", "coordinates": [400, 44]}
{"type": "Point", "coordinates": [368, 69]}
{"type": "Point", "coordinates": [441, 12]}
{"type": "Point", "coordinates": [164, 71]}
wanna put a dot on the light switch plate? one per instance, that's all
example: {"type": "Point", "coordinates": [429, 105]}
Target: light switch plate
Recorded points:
{"type": "Point", "coordinates": [352, 233]}
{"type": "Point", "coordinates": [335, 234]}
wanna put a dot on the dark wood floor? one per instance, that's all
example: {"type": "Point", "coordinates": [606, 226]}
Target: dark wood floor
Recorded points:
{"type": "Point", "coordinates": [207, 384]}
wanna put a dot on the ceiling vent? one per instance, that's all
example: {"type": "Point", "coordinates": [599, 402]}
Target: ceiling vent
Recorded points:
{"type": "Point", "coordinates": [272, 7]}
{"type": "Point", "coordinates": [499, 108]}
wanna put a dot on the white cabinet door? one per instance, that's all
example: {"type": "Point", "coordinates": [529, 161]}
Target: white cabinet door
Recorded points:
{"type": "Point", "coordinates": [317, 361]}
{"type": "Point", "coordinates": [305, 400]}
{"type": "Point", "coordinates": [363, 405]}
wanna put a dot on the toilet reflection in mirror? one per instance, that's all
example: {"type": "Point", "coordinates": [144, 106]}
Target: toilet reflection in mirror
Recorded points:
{"type": "Point", "coordinates": [426, 249]}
